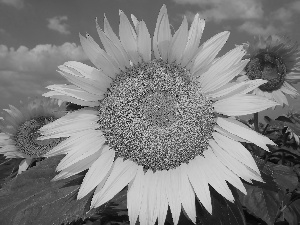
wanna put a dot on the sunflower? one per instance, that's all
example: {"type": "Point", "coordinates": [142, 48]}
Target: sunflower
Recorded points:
{"type": "Point", "coordinates": [276, 60]}
{"type": "Point", "coordinates": [163, 124]}
{"type": "Point", "coordinates": [19, 129]}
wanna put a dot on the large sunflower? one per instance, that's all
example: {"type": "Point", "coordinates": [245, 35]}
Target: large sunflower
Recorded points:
{"type": "Point", "coordinates": [161, 124]}
{"type": "Point", "coordinates": [276, 60]}
{"type": "Point", "coordinates": [19, 129]}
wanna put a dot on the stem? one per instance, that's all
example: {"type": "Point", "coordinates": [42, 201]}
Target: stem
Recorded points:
{"type": "Point", "coordinates": [256, 122]}
{"type": "Point", "coordinates": [265, 130]}
{"type": "Point", "coordinates": [284, 207]}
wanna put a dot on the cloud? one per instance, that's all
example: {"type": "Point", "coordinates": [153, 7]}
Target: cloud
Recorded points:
{"type": "Point", "coordinates": [277, 21]}
{"type": "Point", "coordinates": [2, 32]}
{"type": "Point", "coordinates": [26, 72]}
{"type": "Point", "coordinates": [218, 10]}
{"type": "Point", "coordinates": [256, 28]}
{"type": "Point", "coordinates": [295, 6]}
{"type": "Point", "coordinates": [41, 58]}
{"type": "Point", "coordinates": [56, 23]}
{"type": "Point", "coordinates": [282, 14]}
{"type": "Point", "coordinates": [15, 3]}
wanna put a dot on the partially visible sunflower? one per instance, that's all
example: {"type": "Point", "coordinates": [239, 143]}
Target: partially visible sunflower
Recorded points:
{"type": "Point", "coordinates": [276, 60]}
{"type": "Point", "coordinates": [160, 123]}
{"type": "Point", "coordinates": [20, 127]}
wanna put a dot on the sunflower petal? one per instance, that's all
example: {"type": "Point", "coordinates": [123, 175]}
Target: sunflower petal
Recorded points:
{"type": "Point", "coordinates": [161, 14]}
{"type": "Point", "coordinates": [98, 57]}
{"type": "Point", "coordinates": [164, 37]}
{"type": "Point", "coordinates": [85, 84]}
{"type": "Point", "coordinates": [77, 167]}
{"type": "Point", "coordinates": [122, 173]}
{"type": "Point", "coordinates": [173, 189]}
{"type": "Point", "coordinates": [82, 150]}
{"type": "Point", "coordinates": [57, 95]}
{"type": "Point", "coordinates": [162, 198]}
{"type": "Point", "coordinates": [209, 50]}
{"type": "Point", "coordinates": [242, 154]}
{"type": "Point", "coordinates": [237, 128]}
{"type": "Point", "coordinates": [143, 215]}
{"type": "Point", "coordinates": [234, 88]}
{"type": "Point", "coordinates": [193, 42]}
{"type": "Point", "coordinates": [234, 163]}
{"type": "Point", "coordinates": [128, 38]}
{"type": "Point", "coordinates": [178, 42]}
{"type": "Point", "coordinates": [70, 143]}
{"type": "Point", "coordinates": [135, 196]}
{"type": "Point", "coordinates": [187, 194]}
{"type": "Point", "coordinates": [97, 172]}
{"type": "Point", "coordinates": [75, 92]}
{"type": "Point", "coordinates": [144, 42]}
{"type": "Point", "coordinates": [79, 69]}
{"type": "Point", "coordinates": [116, 51]}
{"type": "Point", "coordinates": [24, 164]}
{"type": "Point", "coordinates": [242, 104]}
{"type": "Point", "coordinates": [289, 89]}
{"type": "Point", "coordinates": [152, 198]}
{"type": "Point", "coordinates": [70, 124]}
{"type": "Point", "coordinates": [228, 134]}
{"type": "Point", "coordinates": [199, 182]}
{"type": "Point", "coordinates": [213, 172]}
{"type": "Point", "coordinates": [217, 80]}
{"type": "Point", "coordinates": [223, 174]}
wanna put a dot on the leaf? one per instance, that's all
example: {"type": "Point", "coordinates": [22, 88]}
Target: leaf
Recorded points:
{"type": "Point", "coordinates": [284, 119]}
{"type": "Point", "coordinates": [32, 198]}
{"type": "Point", "coordinates": [280, 122]}
{"type": "Point", "coordinates": [285, 177]}
{"type": "Point", "coordinates": [8, 168]}
{"type": "Point", "coordinates": [114, 211]}
{"type": "Point", "coordinates": [294, 127]}
{"type": "Point", "coordinates": [292, 213]}
{"type": "Point", "coordinates": [278, 176]}
{"type": "Point", "coordinates": [266, 170]}
{"type": "Point", "coordinates": [262, 203]}
{"type": "Point", "coordinates": [274, 123]}
{"type": "Point", "coordinates": [224, 211]}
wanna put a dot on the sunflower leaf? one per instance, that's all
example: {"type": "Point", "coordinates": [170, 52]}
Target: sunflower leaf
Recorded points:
{"type": "Point", "coordinates": [279, 176]}
{"type": "Point", "coordinates": [263, 201]}
{"type": "Point", "coordinates": [8, 168]}
{"type": "Point", "coordinates": [292, 213]}
{"type": "Point", "coordinates": [278, 124]}
{"type": "Point", "coordinates": [267, 172]}
{"type": "Point", "coordinates": [32, 198]}
{"type": "Point", "coordinates": [285, 177]}
{"type": "Point", "coordinates": [284, 119]}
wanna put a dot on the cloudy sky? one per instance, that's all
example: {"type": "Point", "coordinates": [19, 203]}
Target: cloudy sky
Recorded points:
{"type": "Point", "coordinates": [38, 35]}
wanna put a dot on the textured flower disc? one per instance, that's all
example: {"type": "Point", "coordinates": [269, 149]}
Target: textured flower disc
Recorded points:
{"type": "Point", "coordinates": [267, 66]}
{"type": "Point", "coordinates": [27, 134]}
{"type": "Point", "coordinates": [155, 115]}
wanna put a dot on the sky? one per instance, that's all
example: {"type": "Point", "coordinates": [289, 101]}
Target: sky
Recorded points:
{"type": "Point", "coordinates": [36, 36]}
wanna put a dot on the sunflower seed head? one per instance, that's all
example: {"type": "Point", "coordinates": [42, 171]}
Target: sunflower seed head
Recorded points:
{"type": "Point", "coordinates": [155, 116]}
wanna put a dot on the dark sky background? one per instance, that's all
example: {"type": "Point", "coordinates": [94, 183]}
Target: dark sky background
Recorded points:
{"type": "Point", "coordinates": [36, 36]}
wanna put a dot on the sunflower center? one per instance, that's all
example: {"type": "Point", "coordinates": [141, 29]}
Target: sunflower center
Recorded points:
{"type": "Point", "coordinates": [27, 134]}
{"type": "Point", "coordinates": [154, 115]}
{"type": "Point", "coordinates": [159, 109]}
{"type": "Point", "coordinates": [267, 66]}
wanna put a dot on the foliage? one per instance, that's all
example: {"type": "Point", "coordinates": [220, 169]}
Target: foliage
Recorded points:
{"type": "Point", "coordinates": [282, 165]}
{"type": "Point", "coordinates": [31, 198]}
